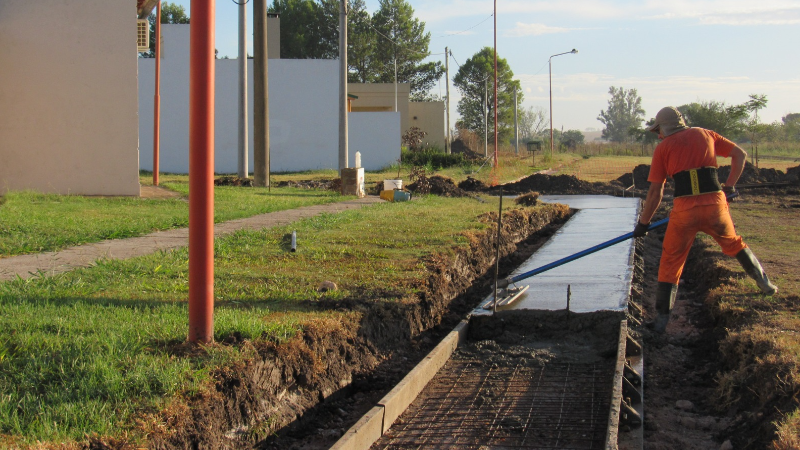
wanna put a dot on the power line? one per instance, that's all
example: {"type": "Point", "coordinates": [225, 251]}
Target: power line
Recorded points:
{"type": "Point", "coordinates": [464, 31]}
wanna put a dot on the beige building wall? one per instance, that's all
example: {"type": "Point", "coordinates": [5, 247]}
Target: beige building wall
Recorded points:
{"type": "Point", "coordinates": [68, 97]}
{"type": "Point", "coordinates": [429, 117]}
{"type": "Point", "coordinates": [379, 97]}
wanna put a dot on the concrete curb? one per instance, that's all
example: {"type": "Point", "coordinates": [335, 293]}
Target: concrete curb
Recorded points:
{"type": "Point", "coordinates": [371, 427]}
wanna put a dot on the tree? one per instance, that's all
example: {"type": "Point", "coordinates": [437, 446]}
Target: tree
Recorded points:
{"type": "Point", "coordinates": [402, 38]}
{"type": "Point", "coordinates": [532, 122]}
{"type": "Point", "coordinates": [572, 138]}
{"type": "Point", "coordinates": [306, 28]}
{"type": "Point", "coordinates": [727, 120]}
{"type": "Point", "coordinates": [469, 80]}
{"type": "Point", "coordinates": [624, 111]}
{"type": "Point", "coordinates": [362, 41]}
{"type": "Point", "coordinates": [170, 13]}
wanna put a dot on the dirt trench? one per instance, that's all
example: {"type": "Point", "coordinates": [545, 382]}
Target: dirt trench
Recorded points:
{"type": "Point", "coordinates": [303, 394]}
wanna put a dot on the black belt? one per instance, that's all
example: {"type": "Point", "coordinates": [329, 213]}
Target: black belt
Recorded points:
{"type": "Point", "coordinates": [696, 182]}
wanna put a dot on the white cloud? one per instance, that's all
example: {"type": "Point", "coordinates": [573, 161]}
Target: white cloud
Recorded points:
{"type": "Point", "coordinates": [534, 29]}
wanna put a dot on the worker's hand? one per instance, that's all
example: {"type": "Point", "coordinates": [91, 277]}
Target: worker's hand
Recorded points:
{"type": "Point", "coordinates": [641, 229]}
{"type": "Point", "coordinates": [730, 192]}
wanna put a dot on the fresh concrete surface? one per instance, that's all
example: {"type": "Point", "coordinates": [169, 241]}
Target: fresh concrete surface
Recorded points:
{"type": "Point", "coordinates": [600, 281]}
{"type": "Point", "coordinates": [51, 263]}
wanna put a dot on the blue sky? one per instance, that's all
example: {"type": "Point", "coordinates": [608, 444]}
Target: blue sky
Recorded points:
{"type": "Point", "coordinates": [671, 52]}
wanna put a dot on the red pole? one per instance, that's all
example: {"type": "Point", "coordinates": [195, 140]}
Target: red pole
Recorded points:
{"type": "Point", "coordinates": [201, 172]}
{"type": "Point", "coordinates": [495, 84]}
{"type": "Point", "coordinates": [157, 99]}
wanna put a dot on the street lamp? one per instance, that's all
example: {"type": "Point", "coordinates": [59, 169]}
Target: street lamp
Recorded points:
{"type": "Point", "coordinates": [550, 68]}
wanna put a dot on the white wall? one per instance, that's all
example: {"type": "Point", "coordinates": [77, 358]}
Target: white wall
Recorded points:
{"type": "Point", "coordinates": [68, 102]}
{"type": "Point", "coordinates": [303, 98]}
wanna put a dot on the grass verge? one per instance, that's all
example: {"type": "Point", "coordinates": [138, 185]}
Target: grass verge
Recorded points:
{"type": "Point", "coordinates": [97, 351]}
{"type": "Point", "coordinates": [760, 379]}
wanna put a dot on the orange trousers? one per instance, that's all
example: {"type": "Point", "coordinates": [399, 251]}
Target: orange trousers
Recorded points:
{"type": "Point", "coordinates": [683, 226]}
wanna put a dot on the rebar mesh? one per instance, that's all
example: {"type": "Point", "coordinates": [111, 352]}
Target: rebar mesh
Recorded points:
{"type": "Point", "coordinates": [473, 404]}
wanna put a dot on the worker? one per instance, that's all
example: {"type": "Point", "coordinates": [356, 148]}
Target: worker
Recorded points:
{"type": "Point", "coordinates": [688, 155]}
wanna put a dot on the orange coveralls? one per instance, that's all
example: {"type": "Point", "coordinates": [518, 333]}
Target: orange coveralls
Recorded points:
{"type": "Point", "coordinates": [690, 149]}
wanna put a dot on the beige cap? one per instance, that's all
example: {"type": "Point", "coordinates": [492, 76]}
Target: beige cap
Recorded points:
{"type": "Point", "coordinates": [670, 119]}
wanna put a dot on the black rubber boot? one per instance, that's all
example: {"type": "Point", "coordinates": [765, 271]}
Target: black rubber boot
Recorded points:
{"type": "Point", "coordinates": [665, 299]}
{"type": "Point", "coordinates": [753, 268]}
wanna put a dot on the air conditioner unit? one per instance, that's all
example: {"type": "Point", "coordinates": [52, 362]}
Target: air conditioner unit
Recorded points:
{"type": "Point", "coordinates": [143, 35]}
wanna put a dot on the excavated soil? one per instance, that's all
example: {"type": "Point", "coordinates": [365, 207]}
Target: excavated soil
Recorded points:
{"type": "Point", "coordinates": [303, 394]}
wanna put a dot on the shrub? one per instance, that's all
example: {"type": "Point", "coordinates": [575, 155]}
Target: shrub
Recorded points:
{"type": "Point", "coordinates": [433, 158]}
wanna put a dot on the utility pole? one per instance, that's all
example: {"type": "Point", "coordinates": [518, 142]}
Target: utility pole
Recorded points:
{"type": "Point", "coordinates": [516, 124]}
{"type": "Point", "coordinates": [261, 95]}
{"type": "Point", "coordinates": [343, 138]}
{"type": "Point", "coordinates": [486, 117]}
{"type": "Point", "coordinates": [157, 100]}
{"type": "Point", "coordinates": [447, 94]}
{"type": "Point", "coordinates": [244, 170]}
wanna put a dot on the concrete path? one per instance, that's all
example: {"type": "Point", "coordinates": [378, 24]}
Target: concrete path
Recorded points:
{"type": "Point", "coordinates": [51, 263]}
{"type": "Point", "coordinates": [600, 281]}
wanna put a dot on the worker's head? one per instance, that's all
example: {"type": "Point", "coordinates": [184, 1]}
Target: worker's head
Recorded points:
{"type": "Point", "coordinates": [668, 121]}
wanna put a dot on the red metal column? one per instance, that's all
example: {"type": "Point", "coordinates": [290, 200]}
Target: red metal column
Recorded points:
{"type": "Point", "coordinates": [495, 84]}
{"type": "Point", "coordinates": [157, 100]}
{"type": "Point", "coordinates": [201, 172]}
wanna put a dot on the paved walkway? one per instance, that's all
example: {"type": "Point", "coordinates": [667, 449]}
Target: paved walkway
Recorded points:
{"type": "Point", "coordinates": [26, 266]}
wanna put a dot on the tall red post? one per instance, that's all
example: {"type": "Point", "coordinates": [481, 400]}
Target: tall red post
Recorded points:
{"type": "Point", "coordinates": [201, 172]}
{"type": "Point", "coordinates": [157, 100]}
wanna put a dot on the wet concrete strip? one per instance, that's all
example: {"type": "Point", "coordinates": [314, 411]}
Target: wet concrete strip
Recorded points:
{"type": "Point", "coordinates": [600, 281]}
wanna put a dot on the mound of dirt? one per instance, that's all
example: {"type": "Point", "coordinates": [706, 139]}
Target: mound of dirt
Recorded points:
{"type": "Point", "coordinates": [437, 185]}
{"type": "Point", "coordinates": [558, 184]}
{"type": "Point", "coordinates": [529, 199]}
{"type": "Point", "coordinates": [638, 178]}
{"type": "Point", "coordinates": [459, 146]}
{"type": "Point", "coordinates": [473, 185]}
{"type": "Point", "coordinates": [233, 181]}
{"type": "Point", "coordinates": [792, 174]}
{"type": "Point", "coordinates": [751, 174]}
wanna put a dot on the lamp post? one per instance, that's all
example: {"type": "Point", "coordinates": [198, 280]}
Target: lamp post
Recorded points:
{"type": "Point", "coordinates": [550, 68]}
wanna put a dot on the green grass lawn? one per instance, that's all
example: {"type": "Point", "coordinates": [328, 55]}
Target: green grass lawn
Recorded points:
{"type": "Point", "coordinates": [31, 222]}
{"type": "Point", "coordinates": [89, 351]}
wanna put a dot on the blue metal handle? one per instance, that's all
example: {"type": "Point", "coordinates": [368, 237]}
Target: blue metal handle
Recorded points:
{"type": "Point", "coordinates": [583, 253]}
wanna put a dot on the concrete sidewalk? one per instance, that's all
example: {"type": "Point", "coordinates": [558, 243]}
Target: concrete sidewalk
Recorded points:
{"type": "Point", "coordinates": [51, 263]}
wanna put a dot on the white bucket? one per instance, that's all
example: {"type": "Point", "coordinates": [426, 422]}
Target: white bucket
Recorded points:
{"type": "Point", "coordinates": [390, 185]}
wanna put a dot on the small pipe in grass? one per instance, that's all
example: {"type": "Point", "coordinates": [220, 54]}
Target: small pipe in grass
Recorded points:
{"type": "Point", "coordinates": [294, 241]}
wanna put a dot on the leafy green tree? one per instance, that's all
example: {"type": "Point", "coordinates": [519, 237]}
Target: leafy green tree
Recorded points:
{"type": "Point", "coordinates": [402, 38]}
{"type": "Point", "coordinates": [727, 120]}
{"type": "Point", "coordinates": [309, 29]}
{"type": "Point", "coordinates": [469, 80]}
{"type": "Point", "coordinates": [572, 138]}
{"type": "Point", "coordinates": [624, 111]}
{"type": "Point", "coordinates": [362, 41]}
{"type": "Point", "coordinates": [170, 13]}
{"type": "Point", "coordinates": [791, 127]}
